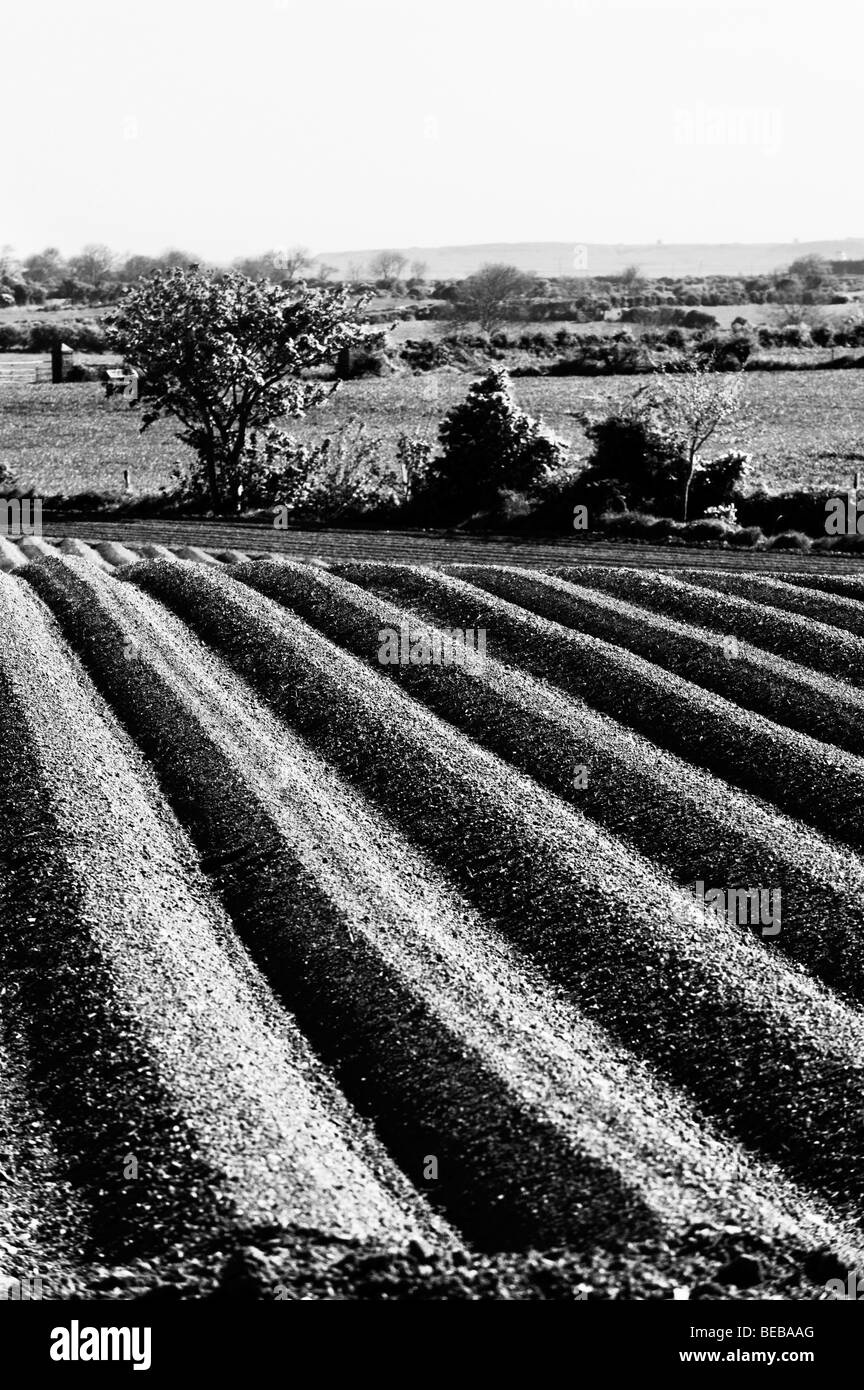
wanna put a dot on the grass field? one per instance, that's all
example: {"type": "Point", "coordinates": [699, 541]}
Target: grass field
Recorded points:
{"type": "Point", "coordinates": [803, 428]}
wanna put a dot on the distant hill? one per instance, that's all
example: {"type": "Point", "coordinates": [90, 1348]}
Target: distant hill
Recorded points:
{"type": "Point", "coordinates": [548, 258]}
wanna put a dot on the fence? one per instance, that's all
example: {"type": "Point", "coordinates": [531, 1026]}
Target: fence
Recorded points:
{"type": "Point", "coordinates": [17, 368]}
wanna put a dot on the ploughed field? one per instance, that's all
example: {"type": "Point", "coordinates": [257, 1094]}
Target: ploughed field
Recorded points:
{"type": "Point", "coordinates": [327, 978]}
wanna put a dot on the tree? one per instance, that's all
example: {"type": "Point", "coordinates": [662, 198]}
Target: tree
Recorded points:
{"type": "Point", "coordinates": [136, 267]}
{"type": "Point", "coordinates": [687, 409]}
{"type": "Point", "coordinates": [278, 266]}
{"type": "Point", "coordinates": [294, 261]}
{"type": "Point", "coordinates": [631, 276]}
{"type": "Point", "coordinates": [222, 354]}
{"type": "Point", "coordinates": [482, 297]}
{"type": "Point", "coordinates": [172, 259]}
{"type": "Point", "coordinates": [387, 265]}
{"type": "Point", "coordinates": [812, 271]}
{"type": "Point", "coordinates": [356, 271]}
{"type": "Point", "coordinates": [418, 270]}
{"type": "Point", "coordinates": [489, 444]}
{"type": "Point", "coordinates": [44, 266]}
{"type": "Point", "coordinates": [93, 265]}
{"type": "Point", "coordinates": [324, 271]}
{"type": "Point", "coordinates": [793, 313]}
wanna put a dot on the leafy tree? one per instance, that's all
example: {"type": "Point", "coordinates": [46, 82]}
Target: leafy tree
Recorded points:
{"type": "Point", "coordinates": [173, 259]}
{"type": "Point", "coordinates": [489, 444]}
{"type": "Point", "coordinates": [482, 297]}
{"type": "Point", "coordinates": [647, 452]}
{"type": "Point", "coordinates": [136, 267]}
{"type": "Point", "coordinates": [812, 271]}
{"type": "Point", "coordinates": [223, 355]}
{"type": "Point", "coordinates": [44, 266]}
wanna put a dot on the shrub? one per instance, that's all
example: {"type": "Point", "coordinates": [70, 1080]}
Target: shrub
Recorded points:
{"type": "Point", "coordinates": [646, 450]}
{"type": "Point", "coordinates": [638, 525]}
{"type": "Point", "coordinates": [355, 363]}
{"type": "Point", "coordinates": [342, 477]}
{"type": "Point", "coordinates": [413, 457]}
{"type": "Point", "coordinates": [715, 484]}
{"type": "Point", "coordinates": [488, 443]}
{"type": "Point", "coordinates": [708, 528]}
{"type": "Point", "coordinates": [855, 542]}
{"type": "Point", "coordinates": [84, 335]}
{"type": "Point", "coordinates": [789, 540]}
{"type": "Point", "coordinates": [12, 338]}
{"type": "Point", "coordinates": [746, 538]}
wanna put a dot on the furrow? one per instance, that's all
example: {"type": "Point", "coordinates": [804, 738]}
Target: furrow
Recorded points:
{"type": "Point", "coordinates": [696, 827]}
{"type": "Point", "coordinates": [749, 677]}
{"type": "Point", "coordinates": [429, 1019]}
{"type": "Point", "coordinates": [826, 608]}
{"type": "Point", "coordinates": [183, 1099]}
{"type": "Point", "coordinates": [811, 782]}
{"type": "Point", "coordinates": [811, 643]}
{"type": "Point", "coordinates": [70, 545]}
{"type": "Point", "coordinates": [41, 1215]}
{"type": "Point", "coordinates": [194, 553]}
{"type": "Point", "coordinates": [699, 999]}
{"type": "Point", "coordinates": [849, 586]}
{"type": "Point", "coordinates": [115, 554]}
{"type": "Point", "coordinates": [35, 548]}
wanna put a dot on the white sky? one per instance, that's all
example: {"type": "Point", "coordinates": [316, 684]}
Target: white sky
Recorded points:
{"type": "Point", "coordinates": [227, 128]}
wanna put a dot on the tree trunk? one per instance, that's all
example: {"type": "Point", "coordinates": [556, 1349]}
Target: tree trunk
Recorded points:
{"type": "Point", "coordinates": [687, 483]}
{"type": "Point", "coordinates": [213, 478]}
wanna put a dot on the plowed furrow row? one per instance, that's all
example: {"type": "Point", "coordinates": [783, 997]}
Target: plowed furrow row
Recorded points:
{"type": "Point", "coordinates": [41, 1217]}
{"type": "Point", "coordinates": [696, 827]}
{"type": "Point", "coordinates": [539, 1130]}
{"type": "Point", "coordinates": [849, 586]}
{"type": "Point", "coordinates": [781, 690]}
{"type": "Point", "coordinates": [806, 641]}
{"type": "Point", "coordinates": [428, 1019]}
{"type": "Point", "coordinates": [183, 1098]}
{"type": "Point", "coordinates": [822, 786]}
{"type": "Point", "coordinates": [699, 999]}
{"type": "Point", "coordinates": [824, 608]}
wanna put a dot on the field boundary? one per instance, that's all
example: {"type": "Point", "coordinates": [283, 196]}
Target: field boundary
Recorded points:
{"type": "Point", "coordinates": [438, 547]}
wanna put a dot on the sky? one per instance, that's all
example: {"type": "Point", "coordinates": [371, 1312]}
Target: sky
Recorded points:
{"type": "Point", "coordinates": [227, 129]}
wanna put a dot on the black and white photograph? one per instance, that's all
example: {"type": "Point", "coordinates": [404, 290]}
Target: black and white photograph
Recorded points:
{"type": "Point", "coordinates": [431, 672]}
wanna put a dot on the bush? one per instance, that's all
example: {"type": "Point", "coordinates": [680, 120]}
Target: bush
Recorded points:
{"type": "Point", "coordinates": [855, 542]}
{"type": "Point", "coordinates": [423, 354]}
{"type": "Point", "coordinates": [338, 478]}
{"type": "Point", "coordinates": [487, 444]}
{"type": "Point", "coordinates": [789, 540]}
{"type": "Point", "coordinates": [777, 512]}
{"type": "Point", "coordinates": [708, 528]}
{"type": "Point", "coordinates": [638, 525]}
{"type": "Point", "coordinates": [746, 538]}
{"type": "Point", "coordinates": [12, 338]}
{"type": "Point", "coordinates": [84, 335]}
